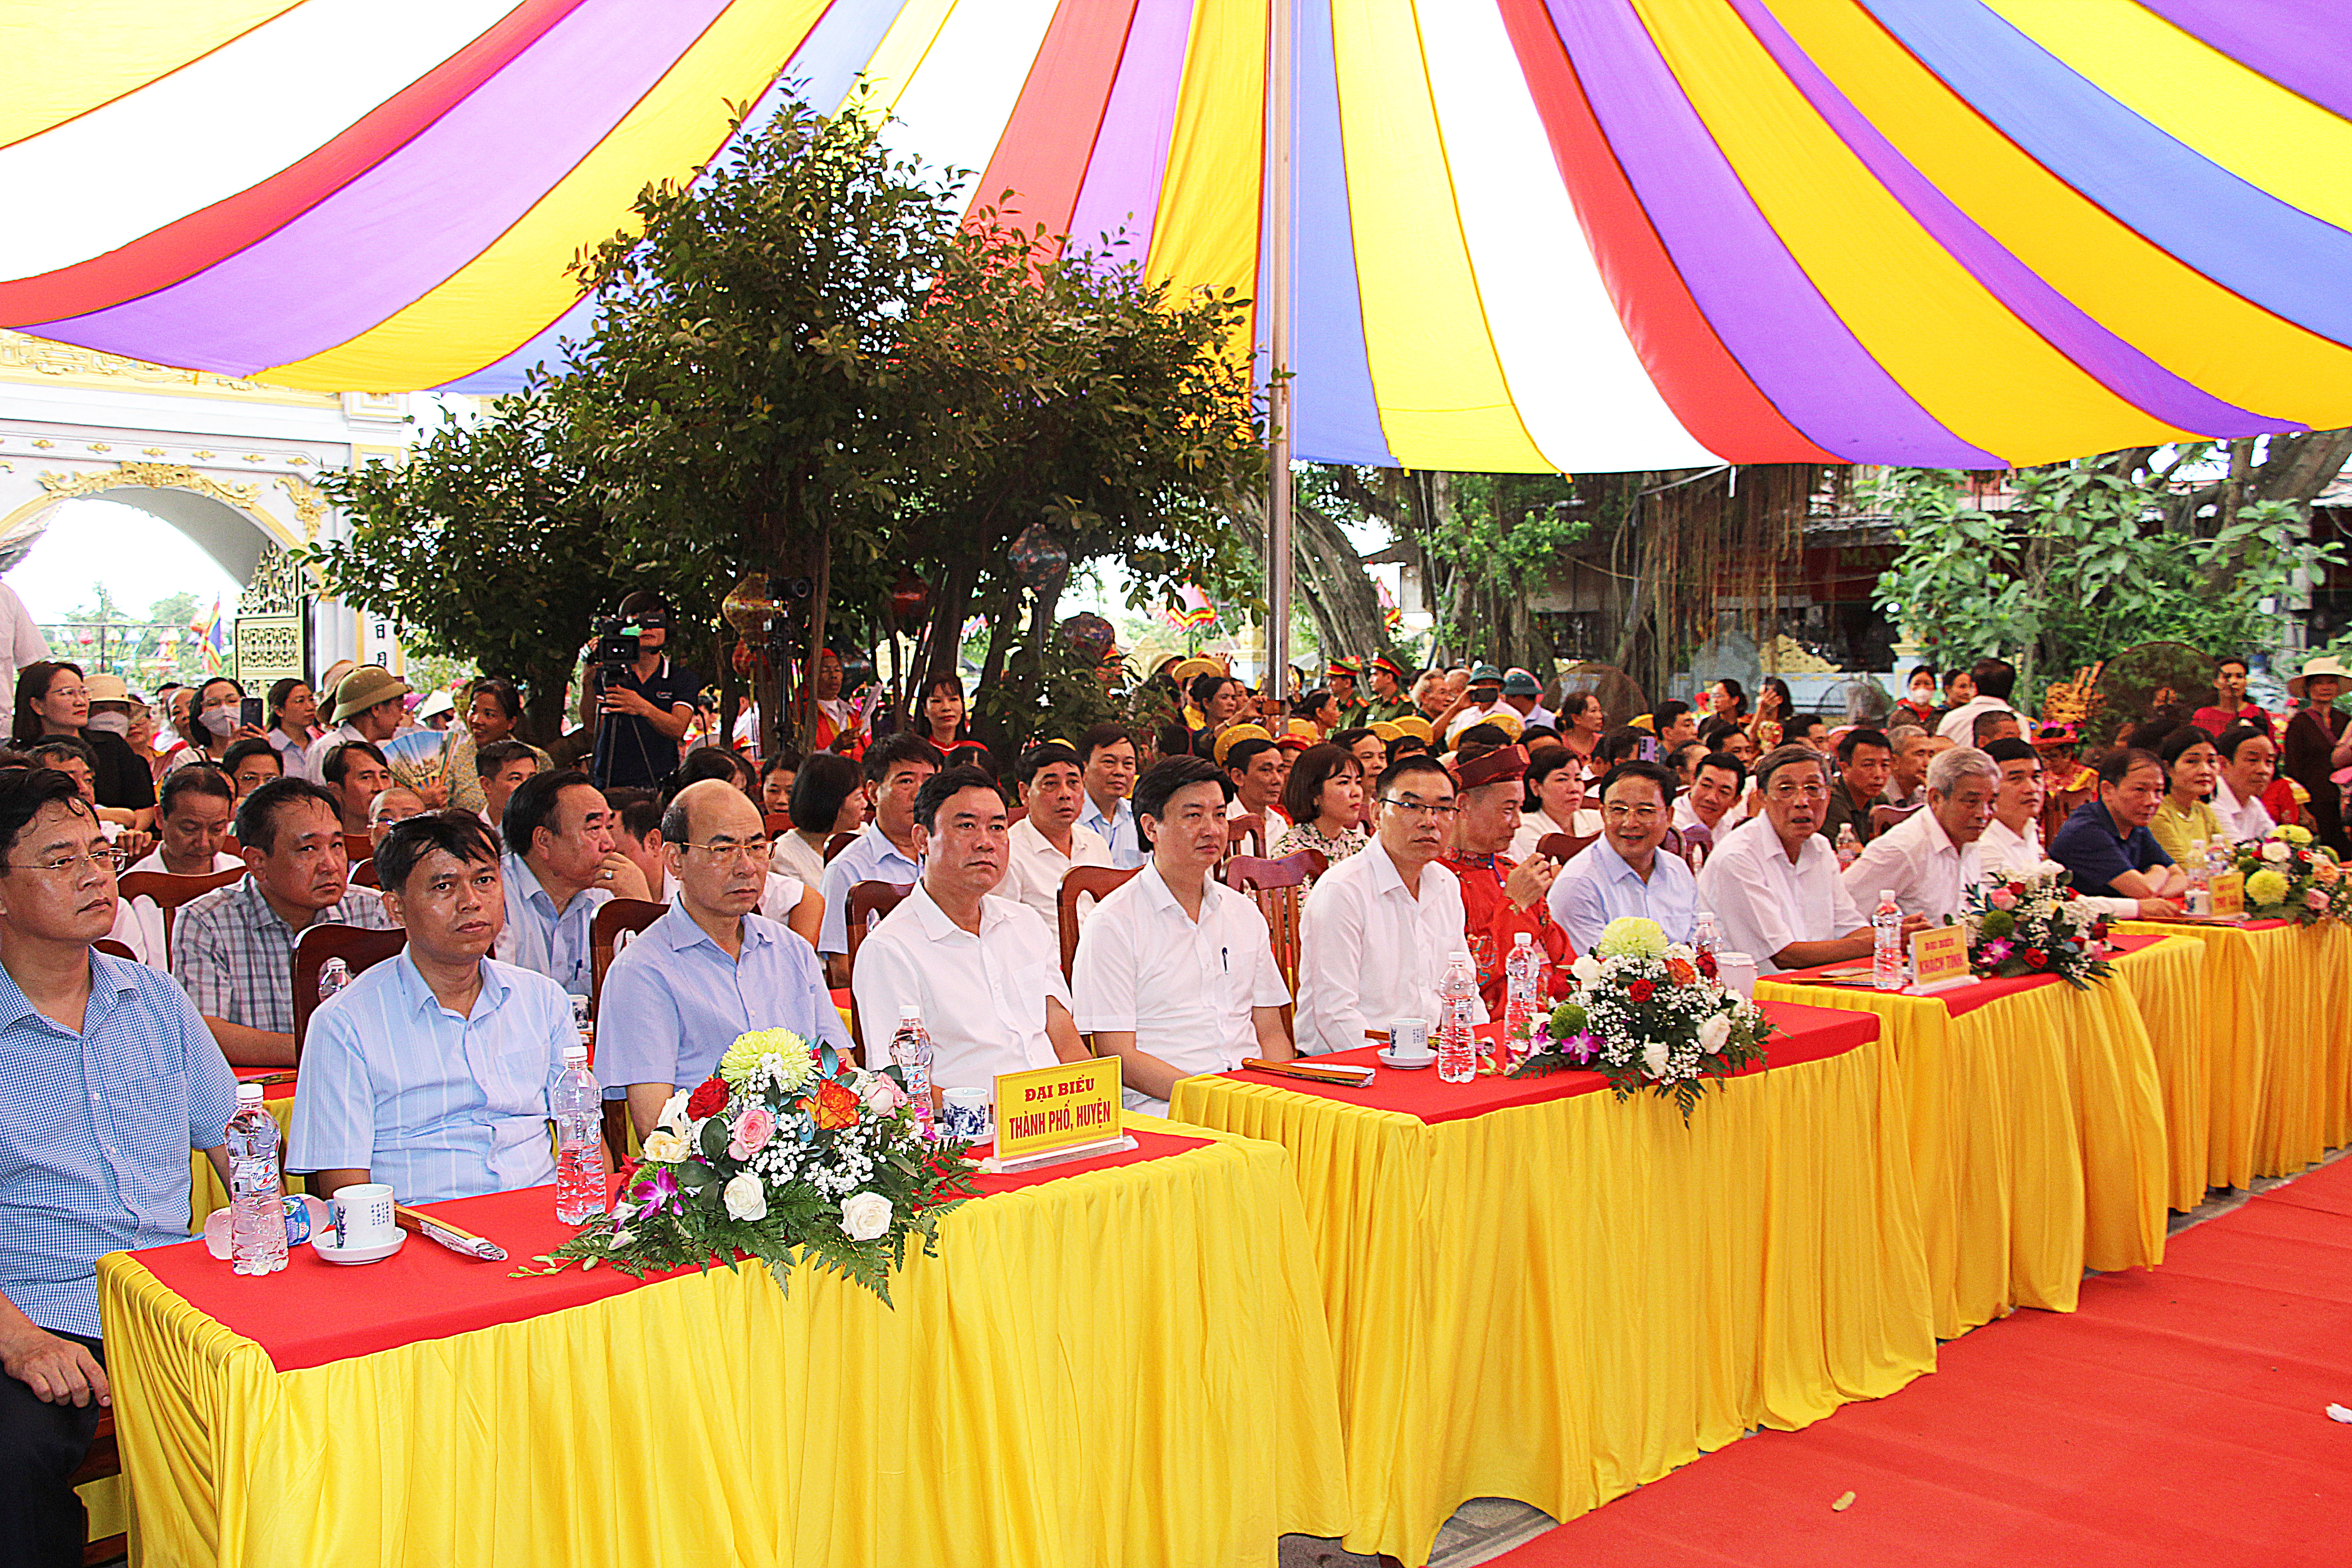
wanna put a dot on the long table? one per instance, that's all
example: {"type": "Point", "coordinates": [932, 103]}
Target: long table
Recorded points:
{"type": "Point", "coordinates": [1119, 1362]}
{"type": "Point", "coordinates": [1537, 1291]}
{"type": "Point", "coordinates": [2035, 1116]}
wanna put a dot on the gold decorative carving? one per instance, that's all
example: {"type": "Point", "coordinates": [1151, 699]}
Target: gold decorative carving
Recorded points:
{"type": "Point", "coordinates": [151, 451]}
{"type": "Point", "coordinates": [100, 447]}
{"type": "Point", "coordinates": [45, 443]}
{"type": "Point", "coordinates": [205, 452]}
{"type": "Point", "coordinates": [255, 458]}
{"type": "Point", "coordinates": [153, 476]}
{"type": "Point", "coordinates": [279, 587]}
{"type": "Point", "coordinates": [309, 503]}
{"type": "Point", "coordinates": [18, 351]}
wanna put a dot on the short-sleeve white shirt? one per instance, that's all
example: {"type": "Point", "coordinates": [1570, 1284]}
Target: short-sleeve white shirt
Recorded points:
{"type": "Point", "coordinates": [982, 997]}
{"type": "Point", "coordinates": [2244, 819]}
{"type": "Point", "coordinates": [1762, 902]}
{"type": "Point", "coordinates": [1033, 873]}
{"type": "Point", "coordinates": [1371, 953]}
{"type": "Point", "coordinates": [1916, 860]}
{"type": "Point", "coordinates": [1185, 989]}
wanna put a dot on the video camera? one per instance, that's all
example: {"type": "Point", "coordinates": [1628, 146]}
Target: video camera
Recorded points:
{"type": "Point", "coordinates": [618, 640]}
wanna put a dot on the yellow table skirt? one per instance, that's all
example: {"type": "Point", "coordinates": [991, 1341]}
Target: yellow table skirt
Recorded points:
{"type": "Point", "coordinates": [1558, 1302]}
{"type": "Point", "coordinates": [2036, 1127]}
{"type": "Point", "coordinates": [2281, 1000]}
{"type": "Point", "coordinates": [1128, 1366]}
{"type": "Point", "coordinates": [2172, 983]}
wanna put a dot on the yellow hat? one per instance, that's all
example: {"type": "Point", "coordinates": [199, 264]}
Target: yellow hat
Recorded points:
{"type": "Point", "coordinates": [1415, 725]}
{"type": "Point", "coordinates": [1385, 731]}
{"type": "Point", "coordinates": [1195, 665]}
{"type": "Point", "coordinates": [1646, 722]}
{"type": "Point", "coordinates": [1509, 722]}
{"type": "Point", "coordinates": [1235, 736]}
{"type": "Point", "coordinates": [1306, 727]}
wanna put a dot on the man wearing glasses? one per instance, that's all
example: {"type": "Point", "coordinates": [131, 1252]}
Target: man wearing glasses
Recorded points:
{"type": "Point", "coordinates": [1773, 887]}
{"type": "Point", "coordinates": [1622, 872]}
{"type": "Point", "coordinates": [676, 996]}
{"type": "Point", "coordinates": [1379, 928]}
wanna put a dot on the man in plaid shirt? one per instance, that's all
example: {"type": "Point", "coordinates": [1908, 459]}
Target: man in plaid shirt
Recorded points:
{"type": "Point", "coordinates": [233, 948]}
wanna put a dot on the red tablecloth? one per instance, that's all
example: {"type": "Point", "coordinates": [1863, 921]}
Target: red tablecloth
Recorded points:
{"type": "Point", "coordinates": [1962, 1000]}
{"type": "Point", "coordinates": [316, 1311]}
{"type": "Point", "coordinates": [1810, 1034]}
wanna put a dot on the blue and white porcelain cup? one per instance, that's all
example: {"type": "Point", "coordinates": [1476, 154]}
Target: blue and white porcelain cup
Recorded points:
{"type": "Point", "coordinates": [965, 1114]}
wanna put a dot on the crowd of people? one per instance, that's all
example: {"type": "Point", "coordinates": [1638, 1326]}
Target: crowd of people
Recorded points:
{"type": "Point", "coordinates": [1428, 813]}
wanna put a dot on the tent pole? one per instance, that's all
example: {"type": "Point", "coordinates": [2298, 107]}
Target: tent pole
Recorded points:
{"type": "Point", "coordinates": [1280, 66]}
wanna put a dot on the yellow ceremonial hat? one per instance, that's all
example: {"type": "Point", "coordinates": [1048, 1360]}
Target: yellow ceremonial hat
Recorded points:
{"type": "Point", "coordinates": [1646, 722]}
{"type": "Point", "coordinates": [1385, 731]}
{"type": "Point", "coordinates": [1236, 735]}
{"type": "Point", "coordinates": [1506, 720]}
{"type": "Point", "coordinates": [1306, 727]}
{"type": "Point", "coordinates": [1415, 725]}
{"type": "Point", "coordinates": [1195, 665]}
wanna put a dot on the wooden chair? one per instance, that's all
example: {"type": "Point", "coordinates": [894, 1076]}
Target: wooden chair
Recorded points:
{"type": "Point", "coordinates": [836, 843]}
{"type": "Point", "coordinates": [617, 919]}
{"type": "Point", "coordinates": [1095, 882]}
{"type": "Point", "coordinates": [1698, 842]}
{"type": "Point", "coordinates": [1014, 814]}
{"type": "Point", "coordinates": [1246, 829]}
{"type": "Point", "coordinates": [363, 875]}
{"type": "Point", "coordinates": [113, 949]}
{"type": "Point", "coordinates": [357, 946]}
{"type": "Point", "coordinates": [358, 846]}
{"type": "Point", "coordinates": [1279, 887]}
{"type": "Point", "coordinates": [777, 823]}
{"type": "Point", "coordinates": [868, 902]}
{"type": "Point", "coordinates": [104, 1460]}
{"type": "Point", "coordinates": [168, 890]}
{"type": "Point", "coordinates": [1883, 817]}
{"type": "Point", "coordinates": [1559, 848]}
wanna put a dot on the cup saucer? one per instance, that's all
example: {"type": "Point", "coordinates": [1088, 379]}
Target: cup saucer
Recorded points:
{"type": "Point", "coordinates": [323, 1243]}
{"type": "Point", "coordinates": [1406, 1064]}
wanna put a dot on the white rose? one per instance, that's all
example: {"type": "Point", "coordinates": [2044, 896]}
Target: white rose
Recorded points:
{"type": "Point", "coordinates": [866, 1216]}
{"type": "Point", "coordinates": [1654, 1059]}
{"type": "Point", "coordinates": [1714, 1033]}
{"type": "Point", "coordinates": [673, 1111]}
{"type": "Point", "coordinates": [664, 1147]}
{"type": "Point", "coordinates": [746, 1198]}
{"type": "Point", "coordinates": [1586, 968]}
{"type": "Point", "coordinates": [2273, 851]}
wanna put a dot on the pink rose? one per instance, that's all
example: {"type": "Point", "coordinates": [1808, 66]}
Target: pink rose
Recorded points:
{"type": "Point", "coordinates": [2316, 902]}
{"type": "Point", "coordinates": [751, 1132]}
{"type": "Point", "coordinates": [2004, 899]}
{"type": "Point", "coordinates": [883, 1096]}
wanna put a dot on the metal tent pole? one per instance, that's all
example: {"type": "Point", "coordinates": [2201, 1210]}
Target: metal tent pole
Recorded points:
{"type": "Point", "coordinates": [1280, 66]}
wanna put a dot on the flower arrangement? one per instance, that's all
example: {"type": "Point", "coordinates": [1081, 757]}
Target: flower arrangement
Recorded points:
{"type": "Point", "coordinates": [786, 1152]}
{"type": "Point", "coordinates": [2030, 920]}
{"type": "Point", "coordinates": [2288, 877]}
{"type": "Point", "coordinates": [1645, 1012]}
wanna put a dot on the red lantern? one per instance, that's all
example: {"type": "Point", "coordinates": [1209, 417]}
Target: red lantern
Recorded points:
{"type": "Point", "coordinates": [744, 658]}
{"type": "Point", "coordinates": [910, 597]}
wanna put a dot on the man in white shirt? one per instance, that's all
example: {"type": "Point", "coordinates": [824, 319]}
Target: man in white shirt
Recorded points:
{"type": "Point", "coordinates": [1048, 841]}
{"type": "Point", "coordinates": [1774, 888]}
{"type": "Point", "coordinates": [21, 642]}
{"type": "Point", "coordinates": [560, 866]}
{"type": "Point", "coordinates": [191, 822]}
{"type": "Point", "coordinates": [885, 850]}
{"type": "Point", "coordinates": [1930, 857]}
{"type": "Point", "coordinates": [1107, 754]}
{"type": "Point", "coordinates": [1175, 972]}
{"type": "Point", "coordinates": [1379, 928]}
{"type": "Point", "coordinates": [983, 973]}
{"type": "Point", "coordinates": [2249, 763]}
{"type": "Point", "coordinates": [2012, 840]}
{"type": "Point", "coordinates": [1258, 768]}
{"type": "Point", "coordinates": [1622, 872]}
{"type": "Point", "coordinates": [1713, 798]}
{"type": "Point", "coordinates": [1995, 679]}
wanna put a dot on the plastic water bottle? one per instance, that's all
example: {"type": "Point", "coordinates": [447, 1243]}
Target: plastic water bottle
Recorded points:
{"type": "Point", "coordinates": [1849, 848]}
{"type": "Point", "coordinates": [1886, 944]}
{"type": "Point", "coordinates": [1522, 994]}
{"type": "Point", "coordinates": [1457, 1047]}
{"type": "Point", "coordinates": [578, 1105]}
{"type": "Point", "coordinates": [1704, 937]}
{"type": "Point", "coordinates": [256, 1218]}
{"type": "Point", "coordinates": [2200, 868]}
{"type": "Point", "coordinates": [334, 976]}
{"type": "Point", "coordinates": [910, 1051]}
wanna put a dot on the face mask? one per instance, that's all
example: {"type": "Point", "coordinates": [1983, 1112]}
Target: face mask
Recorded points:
{"type": "Point", "coordinates": [220, 721]}
{"type": "Point", "coordinates": [112, 723]}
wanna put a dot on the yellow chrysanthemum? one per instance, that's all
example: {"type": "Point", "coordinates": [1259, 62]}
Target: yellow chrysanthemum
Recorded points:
{"type": "Point", "coordinates": [782, 1053]}
{"type": "Point", "coordinates": [1631, 936]}
{"type": "Point", "coordinates": [2266, 886]}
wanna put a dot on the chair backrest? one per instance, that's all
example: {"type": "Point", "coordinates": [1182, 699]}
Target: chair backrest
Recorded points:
{"type": "Point", "coordinates": [363, 875]}
{"type": "Point", "coordinates": [777, 823]}
{"type": "Point", "coordinates": [1698, 842]}
{"type": "Point", "coordinates": [113, 949]}
{"type": "Point", "coordinates": [170, 890]}
{"type": "Point", "coordinates": [1014, 814]}
{"type": "Point", "coordinates": [836, 843]}
{"type": "Point", "coordinates": [1559, 848]}
{"type": "Point", "coordinates": [617, 919]}
{"type": "Point", "coordinates": [1249, 828]}
{"type": "Point", "coordinates": [357, 946]}
{"type": "Point", "coordinates": [1884, 817]}
{"type": "Point", "coordinates": [1279, 887]}
{"type": "Point", "coordinates": [1095, 882]}
{"type": "Point", "coordinates": [868, 902]}
{"type": "Point", "coordinates": [358, 846]}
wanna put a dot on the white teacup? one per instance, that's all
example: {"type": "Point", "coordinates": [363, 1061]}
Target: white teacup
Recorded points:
{"type": "Point", "coordinates": [965, 1113]}
{"type": "Point", "coordinates": [1409, 1039]}
{"type": "Point", "coordinates": [1737, 973]}
{"type": "Point", "coordinates": [363, 1210]}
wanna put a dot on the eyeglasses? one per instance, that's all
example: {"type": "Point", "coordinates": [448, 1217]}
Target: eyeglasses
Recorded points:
{"type": "Point", "coordinates": [1800, 792]}
{"type": "Point", "coordinates": [1422, 811]}
{"type": "Point", "coordinates": [1633, 813]}
{"type": "Point", "coordinates": [725, 849]}
{"type": "Point", "coordinates": [99, 858]}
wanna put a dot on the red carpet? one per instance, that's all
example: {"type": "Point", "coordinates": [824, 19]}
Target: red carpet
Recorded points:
{"type": "Point", "coordinates": [2179, 1417]}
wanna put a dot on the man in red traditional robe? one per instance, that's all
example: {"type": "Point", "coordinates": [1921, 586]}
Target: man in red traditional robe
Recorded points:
{"type": "Point", "coordinates": [1501, 897]}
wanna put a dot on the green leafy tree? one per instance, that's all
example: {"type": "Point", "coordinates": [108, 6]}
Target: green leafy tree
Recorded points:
{"type": "Point", "coordinates": [486, 544]}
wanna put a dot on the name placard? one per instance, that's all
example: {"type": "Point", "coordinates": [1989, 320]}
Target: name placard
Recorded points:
{"type": "Point", "coordinates": [1939, 958]}
{"type": "Point", "coordinates": [2229, 896]}
{"type": "Point", "coordinates": [1054, 1109]}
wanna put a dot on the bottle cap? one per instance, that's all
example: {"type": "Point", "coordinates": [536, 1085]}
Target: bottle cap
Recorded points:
{"type": "Point", "coordinates": [575, 1054]}
{"type": "Point", "coordinates": [248, 1094]}
{"type": "Point", "coordinates": [909, 1010]}
{"type": "Point", "coordinates": [1524, 939]}
{"type": "Point", "coordinates": [1885, 895]}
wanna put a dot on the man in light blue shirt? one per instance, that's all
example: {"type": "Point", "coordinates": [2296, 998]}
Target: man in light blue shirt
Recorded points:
{"type": "Point", "coordinates": [1107, 752]}
{"type": "Point", "coordinates": [884, 850]}
{"type": "Point", "coordinates": [562, 865]}
{"type": "Point", "coordinates": [706, 971]}
{"type": "Point", "coordinates": [108, 1077]}
{"type": "Point", "coordinates": [430, 1072]}
{"type": "Point", "coordinates": [1624, 873]}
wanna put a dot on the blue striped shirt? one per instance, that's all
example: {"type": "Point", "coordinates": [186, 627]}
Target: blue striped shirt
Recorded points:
{"type": "Point", "coordinates": [434, 1105]}
{"type": "Point", "coordinates": [674, 1000]}
{"type": "Point", "coordinates": [95, 1130]}
{"type": "Point", "coordinates": [1118, 830]}
{"type": "Point", "coordinates": [868, 857]}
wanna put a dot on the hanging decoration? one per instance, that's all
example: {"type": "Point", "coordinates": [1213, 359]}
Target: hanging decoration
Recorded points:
{"type": "Point", "coordinates": [1040, 560]}
{"type": "Point", "coordinates": [1089, 636]}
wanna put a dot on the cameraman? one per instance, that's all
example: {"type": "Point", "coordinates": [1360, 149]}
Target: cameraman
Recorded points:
{"type": "Point", "coordinates": [645, 707]}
